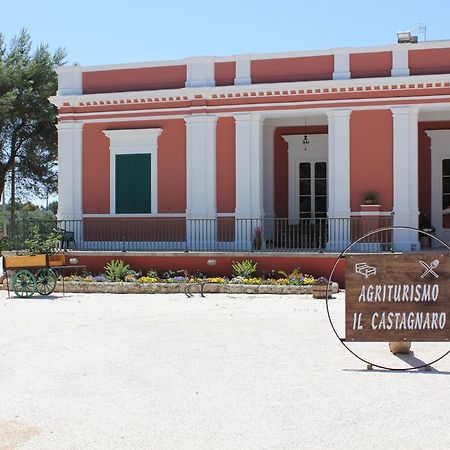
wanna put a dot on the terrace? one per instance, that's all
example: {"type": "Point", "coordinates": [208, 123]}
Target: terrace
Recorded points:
{"type": "Point", "coordinates": [225, 234]}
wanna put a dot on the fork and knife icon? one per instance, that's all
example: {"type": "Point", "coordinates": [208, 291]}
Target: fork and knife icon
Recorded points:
{"type": "Point", "coordinates": [429, 268]}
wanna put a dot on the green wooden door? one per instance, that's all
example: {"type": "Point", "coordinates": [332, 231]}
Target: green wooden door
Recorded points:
{"type": "Point", "coordinates": [133, 184]}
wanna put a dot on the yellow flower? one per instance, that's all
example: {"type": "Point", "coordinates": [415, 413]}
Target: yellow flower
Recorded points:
{"type": "Point", "coordinates": [148, 280]}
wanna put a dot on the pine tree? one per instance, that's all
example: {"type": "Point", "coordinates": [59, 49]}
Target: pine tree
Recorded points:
{"type": "Point", "coordinates": [28, 137]}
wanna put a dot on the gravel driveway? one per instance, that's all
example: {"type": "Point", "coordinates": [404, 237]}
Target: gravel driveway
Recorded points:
{"type": "Point", "coordinates": [104, 371]}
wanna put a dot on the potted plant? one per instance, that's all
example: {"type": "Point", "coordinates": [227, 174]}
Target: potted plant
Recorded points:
{"type": "Point", "coordinates": [319, 288]}
{"type": "Point", "coordinates": [257, 238]}
{"type": "Point", "coordinates": [39, 251]}
{"type": "Point", "coordinates": [370, 198]}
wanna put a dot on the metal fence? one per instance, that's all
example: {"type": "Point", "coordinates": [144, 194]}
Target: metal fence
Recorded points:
{"type": "Point", "coordinates": [218, 235]}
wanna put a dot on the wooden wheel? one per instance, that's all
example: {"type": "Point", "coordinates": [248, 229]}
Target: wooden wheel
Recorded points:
{"type": "Point", "coordinates": [24, 283]}
{"type": "Point", "coordinates": [45, 281]}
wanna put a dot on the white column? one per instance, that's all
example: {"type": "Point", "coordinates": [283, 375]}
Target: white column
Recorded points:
{"type": "Point", "coordinates": [70, 179]}
{"type": "Point", "coordinates": [341, 64]}
{"type": "Point", "coordinates": [269, 183]}
{"type": "Point", "coordinates": [201, 180]}
{"type": "Point", "coordinates": [338, 179]}
{"type": "Point", "coordinates": [243, 71]}
{"type": "Point", "coordinates": [406, 197]}
{"type": "Point", "coordinates": [70, 146]}
{"type": "Point", "coordinates": [249, 177]}
{"type": "Point", "coordinates": [400, 61]}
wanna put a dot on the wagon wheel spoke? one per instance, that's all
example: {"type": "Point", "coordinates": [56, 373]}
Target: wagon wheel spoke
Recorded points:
{"type": "Point", "coordinates": [24, 283]}
{"type": "Point", "coordinates": [45, 281]}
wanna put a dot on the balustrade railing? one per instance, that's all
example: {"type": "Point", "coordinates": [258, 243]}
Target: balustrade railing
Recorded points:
{"type": "Point", "coordinates": [219, 235]}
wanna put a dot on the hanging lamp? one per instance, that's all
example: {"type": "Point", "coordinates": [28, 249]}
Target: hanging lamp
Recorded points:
{"type": "Point", "coordinates": [305, 141]}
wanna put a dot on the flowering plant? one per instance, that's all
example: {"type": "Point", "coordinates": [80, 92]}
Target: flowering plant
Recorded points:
{"type": "Point", "coordinates": [321, 281]}
{"type": "Point", "coordinates": [257, 237]}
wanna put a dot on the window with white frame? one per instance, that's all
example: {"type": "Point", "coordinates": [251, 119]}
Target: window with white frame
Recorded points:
{"type": "Point", "coordinates": [133, 170]}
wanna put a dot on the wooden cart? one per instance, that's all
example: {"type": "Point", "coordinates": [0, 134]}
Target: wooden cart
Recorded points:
{"type": "Point", "coordinates": [32, 273]}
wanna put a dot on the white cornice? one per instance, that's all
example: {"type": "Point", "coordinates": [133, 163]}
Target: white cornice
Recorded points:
{"type": "Point", "coordinates": [258, 56]}
{"type": "Point", "coordinates": [271, 90]}
{"type": "Point", "coordinates": [138, 136]}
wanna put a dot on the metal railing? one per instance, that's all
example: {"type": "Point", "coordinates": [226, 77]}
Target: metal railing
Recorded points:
{"type": "Point", "coordinates": [219, 235]}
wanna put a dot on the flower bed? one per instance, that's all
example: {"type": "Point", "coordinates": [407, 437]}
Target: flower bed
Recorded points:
{"type": "Point", "coordinates": [170, 282]}
{"type": "Point", "coordinates": [120, 278]}
{"type": "Point", "coordinates": [174, 288]}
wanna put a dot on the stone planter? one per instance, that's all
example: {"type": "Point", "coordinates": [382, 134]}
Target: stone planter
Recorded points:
{"type": "Point", "coordinates": [179, 288]}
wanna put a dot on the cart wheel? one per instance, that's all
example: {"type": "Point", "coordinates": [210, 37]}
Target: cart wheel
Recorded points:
{"type": "Point", "coordinates": [45, 281]}
{"type": "Point", "coordinates": [24, 283]}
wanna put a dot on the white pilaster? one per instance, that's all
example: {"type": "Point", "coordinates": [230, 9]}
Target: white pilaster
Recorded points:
{"type": "Point", "coordinates": [339, 163]}
{"type": "Point", "coordinates": [70, 182]}
{"type": "Point", "coordinates": [400, 61]}
{"type": "Point", "coordinates": [338, 179]}
{"type": "Point", "coordinates": [341, 64]}
{"type": "Point", "coordinates": [249, 166]}
{"type": "Point", "coordinates": [269, 180]}
{"type": "Point", "coordinates": [201, 166]}
{"type": "Point", "coordinates": [69, 80]}
{"type": "Point", "coordinates": [200, 72]}
{"type": "Point", "coordinates": [249, 178]}
{"type": "Point", "coordinates": [268, 164]}
{"type": "Point", "coordinates": [243, 71]}
{"type": "Point", "coordinates": [201, 209]}
{"type": "Point", "coordinates": [406, 198]}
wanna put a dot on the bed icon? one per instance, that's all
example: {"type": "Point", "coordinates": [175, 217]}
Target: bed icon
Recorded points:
{"type": "Point", "coordinates": [365, 270]}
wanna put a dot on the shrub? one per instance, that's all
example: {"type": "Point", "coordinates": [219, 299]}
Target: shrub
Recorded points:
{"type": "Point", "coordinates": [116, 270]}
{"type": "Point", "coordinates": [244, 268]}
{"type": "Point", "coordinates": [152, 273]}
{"type": "Point", "coordinates": [7, 243]}
{"type": "Point", "coordinates": [39, 244]}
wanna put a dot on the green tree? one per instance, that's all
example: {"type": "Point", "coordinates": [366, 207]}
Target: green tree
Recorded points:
{"type": "Point", "coordinates": [53, 207]}
{"type": "Point", "coordinates": [28, 139]}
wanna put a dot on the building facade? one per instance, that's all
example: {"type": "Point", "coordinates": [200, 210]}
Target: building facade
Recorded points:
{"type": "Point", "coordinates": [233, 149]}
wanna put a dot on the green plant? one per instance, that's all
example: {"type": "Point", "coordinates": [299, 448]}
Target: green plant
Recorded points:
{"type": "Point", "coordinates": [7, 243]}
{"type": "Point", "coordinates": [244, 268]}
{"type": "Point", "coordinates": [152, 273]}
{"type": "Point", "coordinates": [39, 244]}
{"type": "Point", "coordinates": [116, 270]}
{"type": "Point", "coordinates": [370, 198]}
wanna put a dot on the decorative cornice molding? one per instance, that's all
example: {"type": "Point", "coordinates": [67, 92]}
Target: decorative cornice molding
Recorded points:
{"type": "Point", "coordinates": [271, 90]}
{"type": "Point", "coordinates": [138, 136]}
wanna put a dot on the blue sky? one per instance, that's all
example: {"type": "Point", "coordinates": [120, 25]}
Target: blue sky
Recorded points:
{"type": "Point", "coordinates": [113, 31]}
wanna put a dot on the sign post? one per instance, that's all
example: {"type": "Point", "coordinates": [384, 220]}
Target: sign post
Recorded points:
{"type": "Point", "coordinates": [397, 298]}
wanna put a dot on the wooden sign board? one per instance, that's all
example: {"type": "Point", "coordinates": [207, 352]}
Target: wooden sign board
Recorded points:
{"type": "Point", "coordinates": [397, 297]}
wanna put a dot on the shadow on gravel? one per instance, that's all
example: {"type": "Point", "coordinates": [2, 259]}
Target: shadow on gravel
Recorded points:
{"type": "Point", "coordinates": [422, 371]}
{"type": "Point", "coordinates": [38, 297]}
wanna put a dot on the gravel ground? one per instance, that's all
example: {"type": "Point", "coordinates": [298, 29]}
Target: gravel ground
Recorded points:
{"type": "Point", "coordinates": [105, 371]}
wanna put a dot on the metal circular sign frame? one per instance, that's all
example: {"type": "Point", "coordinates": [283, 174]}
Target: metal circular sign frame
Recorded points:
{"type": "Point", "coordinates": [342, 340]}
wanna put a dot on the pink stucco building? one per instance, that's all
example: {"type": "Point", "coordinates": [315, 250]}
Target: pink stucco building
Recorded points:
{"type": "Point", "coordinates": [222, 139]}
